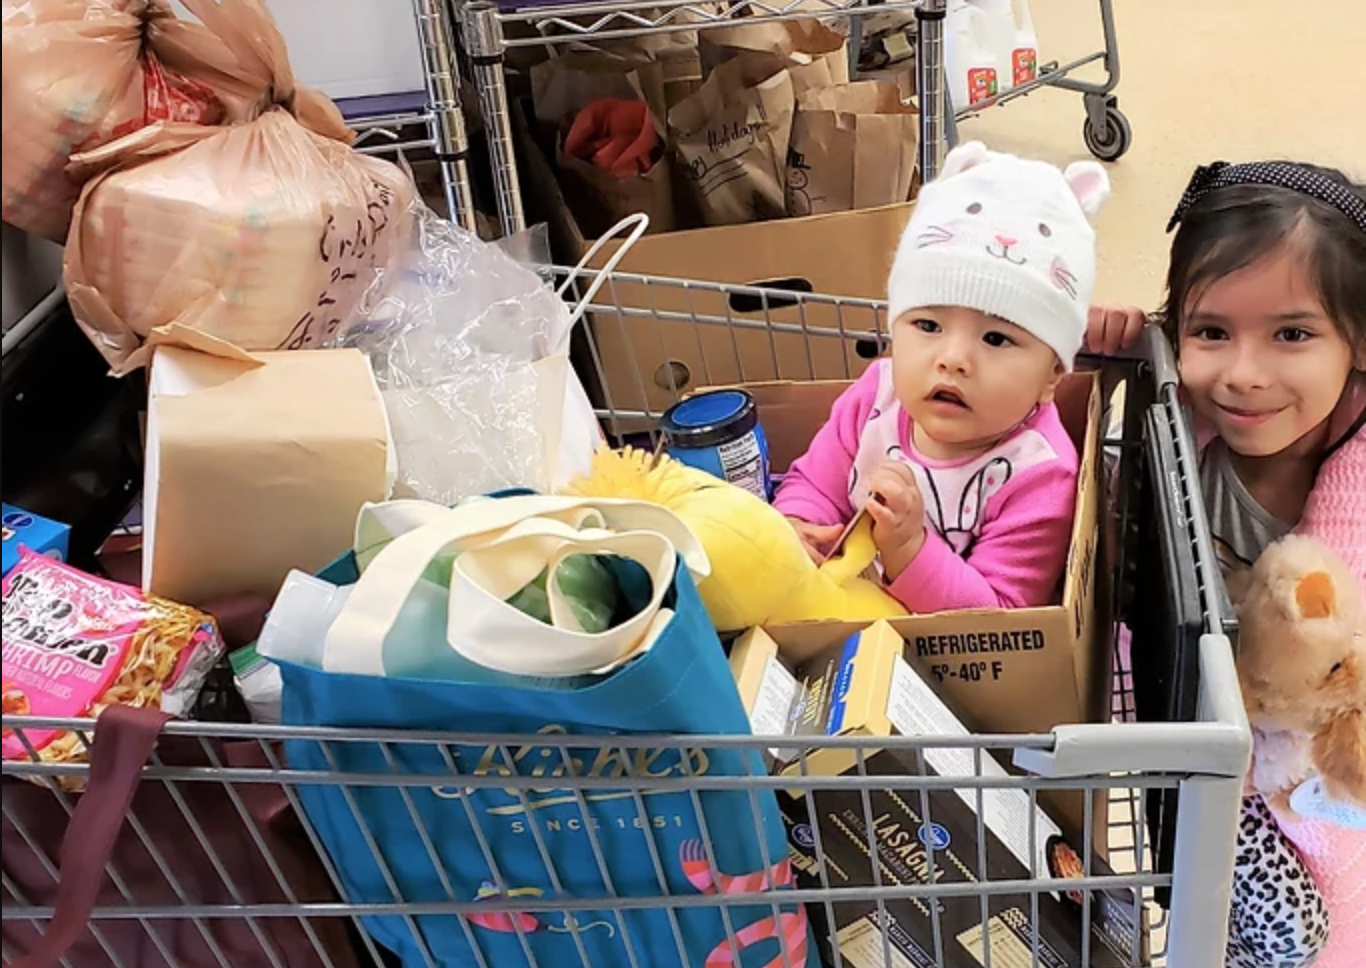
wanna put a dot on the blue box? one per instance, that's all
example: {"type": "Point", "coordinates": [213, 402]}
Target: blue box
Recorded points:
{"type": "Point", "coordinates": [35, 533]}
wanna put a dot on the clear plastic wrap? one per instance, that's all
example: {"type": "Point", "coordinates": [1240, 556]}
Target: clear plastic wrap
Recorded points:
{"type": "Point", "coordinates": [470, 348]}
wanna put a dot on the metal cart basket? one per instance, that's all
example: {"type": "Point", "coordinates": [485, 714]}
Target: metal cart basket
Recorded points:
{"type": "Point", "coordinates": [1106, 130]}
{"type": "Point", "coordinates": [1201, 762]}
{"type": "Point", "coordinates": [438, 125]}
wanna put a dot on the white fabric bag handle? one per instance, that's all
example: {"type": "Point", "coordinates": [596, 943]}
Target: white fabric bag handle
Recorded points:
{"type": "Point", "coordinates": [379, 524]}
{"type": "Point", "coordinates": [354, 642]}
{"type": "Point", "coordinates": [485, 629]}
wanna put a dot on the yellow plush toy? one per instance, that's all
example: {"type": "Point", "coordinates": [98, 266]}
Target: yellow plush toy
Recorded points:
{"type": "Point", "coordinates": [760, 573]}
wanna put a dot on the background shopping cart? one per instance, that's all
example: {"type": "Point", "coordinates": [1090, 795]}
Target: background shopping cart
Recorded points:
{"type": "Point", "coordinates": [703, 333]}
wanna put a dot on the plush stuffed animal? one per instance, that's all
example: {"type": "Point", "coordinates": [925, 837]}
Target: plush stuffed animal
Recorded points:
{"type": "Point", "coordinates": [1302, 666]}
{"type": "Point", "coordinates": [760, 573]}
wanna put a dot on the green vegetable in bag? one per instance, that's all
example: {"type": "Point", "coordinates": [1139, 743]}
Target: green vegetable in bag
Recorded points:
{"type": "Point", "coordinates": [587, 585]}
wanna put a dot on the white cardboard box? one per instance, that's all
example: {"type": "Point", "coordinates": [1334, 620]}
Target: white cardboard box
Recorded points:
{"type": "Point", "coordinates": [256, 464]}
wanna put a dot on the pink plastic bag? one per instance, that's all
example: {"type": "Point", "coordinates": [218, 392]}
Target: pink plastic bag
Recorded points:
{"type": "Point", "coordinates": [262, 234]}
{"type": "Point", "coordinates": [80, 73]}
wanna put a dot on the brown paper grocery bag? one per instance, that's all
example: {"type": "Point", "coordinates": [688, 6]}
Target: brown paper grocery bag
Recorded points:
{"type": "Point", "coordinates": [815, 55]}
{"type": "Point", "coordinates": [853, 146]}
{"type": "Point", "coordinates": [732, 138]}
{"type": "Point", "coordinates": [565, 85]}
{"type": "Point", "coordinates": [675, 50]}
{"type": "Point", "coordinates": [256, 463]}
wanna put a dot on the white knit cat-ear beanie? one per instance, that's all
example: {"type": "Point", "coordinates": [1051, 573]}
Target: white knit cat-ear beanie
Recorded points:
{"type": "Point", "coordinates": [1006, 236]}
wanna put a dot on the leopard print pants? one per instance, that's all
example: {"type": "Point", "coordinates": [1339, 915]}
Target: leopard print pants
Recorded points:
{"type": "Point", "coordinates": [1278, 918]}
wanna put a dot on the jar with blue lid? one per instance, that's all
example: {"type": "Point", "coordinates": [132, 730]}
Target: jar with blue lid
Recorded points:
{"type": "Point", "coordinates": [719, 432]}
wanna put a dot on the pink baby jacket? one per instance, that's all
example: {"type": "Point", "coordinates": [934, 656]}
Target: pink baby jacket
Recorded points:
{"type": "Point", "coordinates": [998, 525]}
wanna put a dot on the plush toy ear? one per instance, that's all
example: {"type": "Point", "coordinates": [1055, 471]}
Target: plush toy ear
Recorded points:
{"type": "Point", "coordinates": [1315, 595]}
{"type": "Point", "coordinates": [970, 154]}
{"type": "Point", "coordinates": [1090, 183]}
{"type": "Point", "coordinates": [1339, 755]}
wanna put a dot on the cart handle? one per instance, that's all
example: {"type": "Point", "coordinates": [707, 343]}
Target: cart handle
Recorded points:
{"type": "Point", "coordinates": [1219, 745]}
{"type": "Point", "coordinates": [1158, 350]}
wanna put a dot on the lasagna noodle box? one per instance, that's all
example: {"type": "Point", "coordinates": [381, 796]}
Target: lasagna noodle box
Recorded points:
{"type": "Point", "coordinates": [934, 839]}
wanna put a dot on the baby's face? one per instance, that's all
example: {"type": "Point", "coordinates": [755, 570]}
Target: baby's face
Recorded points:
{"type": "Point", "coordinates": [967, 379]}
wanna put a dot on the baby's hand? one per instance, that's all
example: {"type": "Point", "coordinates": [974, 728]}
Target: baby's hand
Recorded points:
{"type": "Point", "coordinates": [816, 538]}
{"type": "Point", "coordinates": [898, 513]}
{"type": "Point", "coordinates": [1110, 329]}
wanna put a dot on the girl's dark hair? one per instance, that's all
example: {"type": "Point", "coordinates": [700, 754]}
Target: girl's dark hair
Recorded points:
{"type": "Point", "coordinates": [1231, 228]}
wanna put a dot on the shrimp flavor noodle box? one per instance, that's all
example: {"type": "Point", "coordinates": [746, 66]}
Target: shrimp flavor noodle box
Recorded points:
{"type": "Point", "coordinates": [74, 644]}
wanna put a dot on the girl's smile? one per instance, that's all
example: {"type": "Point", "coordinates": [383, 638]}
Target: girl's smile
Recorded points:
{"type": "Point", "coordinates": [1260, 358]}
{"type": "Point", "coordinates": [1247, 417]}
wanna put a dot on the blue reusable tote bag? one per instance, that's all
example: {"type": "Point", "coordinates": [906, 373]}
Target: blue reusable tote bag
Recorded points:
{"type": "Point", "coordinates": [495, 842]}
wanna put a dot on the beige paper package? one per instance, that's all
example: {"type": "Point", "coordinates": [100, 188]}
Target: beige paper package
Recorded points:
{"type": "Point", "coordinates": [815, 55]}
{"type": "Point", "coordinates": [853, 146]}
{"type": "Point", "coordinates": [732, 137]}
{"type": "Point", "coordinates": [80, 73]}
{"type": "Point", "coordinates": [565, 85]}
{"type": "Point", "coordinates": [255, 464]}
{"type": "Point", "coordinates": [263, 234]}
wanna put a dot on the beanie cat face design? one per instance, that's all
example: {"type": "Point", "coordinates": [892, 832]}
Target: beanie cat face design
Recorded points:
{"type": "Point", "coordinates": [1015, 245]}
{"type": "Point", "coordinates": [1008, 237]}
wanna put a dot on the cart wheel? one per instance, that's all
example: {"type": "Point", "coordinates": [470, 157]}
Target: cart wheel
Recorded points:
{"type": "Point", "coordinates": [1117, 139]}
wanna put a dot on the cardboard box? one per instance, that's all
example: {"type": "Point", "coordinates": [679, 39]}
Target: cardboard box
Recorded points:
{"type": "Point", "coordinates": [817, 678]}
{"type": "Point", "coordinates": [1009, 671]}
{"type": "Point", "coordinates": [816, 682]}
{"type": "Point", "coordinates": [1002, 671]}
{"type": "Point", "coordinates": [902, 830]}
{"type": "Point", "coordinates": [648, 362]}
{"type": "Point", "coordinates": [32, 532]}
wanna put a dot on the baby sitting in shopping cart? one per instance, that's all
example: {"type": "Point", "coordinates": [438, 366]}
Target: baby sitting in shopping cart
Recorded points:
{"type": "Point", "coordinates": [954, 445]}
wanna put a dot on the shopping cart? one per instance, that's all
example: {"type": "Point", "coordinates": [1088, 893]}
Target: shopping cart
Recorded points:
{"type": "Point", "coordinates": [1106, 129]}
{"type": "Point", "coordinates": [484, 24]}
{"type": "Point", "coordinates": [706, 333]}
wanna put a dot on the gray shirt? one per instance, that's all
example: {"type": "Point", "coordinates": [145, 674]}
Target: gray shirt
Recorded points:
{"type": "Point", "coordinates": [1241, 527]}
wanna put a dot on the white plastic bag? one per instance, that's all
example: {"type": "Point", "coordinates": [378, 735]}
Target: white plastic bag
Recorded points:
{"type": "Point", "coordinates": [471, 351]}
{"type": "Point", "coordinates": [264, 233]}
{"type": "Point", "coordinates": [80, 73]}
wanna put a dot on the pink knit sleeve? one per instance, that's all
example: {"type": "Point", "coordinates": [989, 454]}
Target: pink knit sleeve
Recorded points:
{"type": "Point", "coordinates": [1336, 510]}
{"type": "Point", "coordinates": [1336, 515]}
{"type": "Point", "coordinates": [816, 489]}
{"type": "Point", "coordinates": [1017, 561]}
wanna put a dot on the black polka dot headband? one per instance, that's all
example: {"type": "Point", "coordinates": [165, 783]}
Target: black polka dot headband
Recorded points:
{"type": "Point", "coordinates": [1221, 174]}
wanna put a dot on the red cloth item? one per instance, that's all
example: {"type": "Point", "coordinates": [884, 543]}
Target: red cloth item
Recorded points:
{"type": "Point", "coordinates": [220, 859]}
{"type": "Point", "coordinates": [615, 135]}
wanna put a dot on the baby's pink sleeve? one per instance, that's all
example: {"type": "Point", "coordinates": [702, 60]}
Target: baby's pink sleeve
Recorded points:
{"type": "Point", "coordinates": [816, 489]}
{"type": "Point", "coordinates": [1017, 560]}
